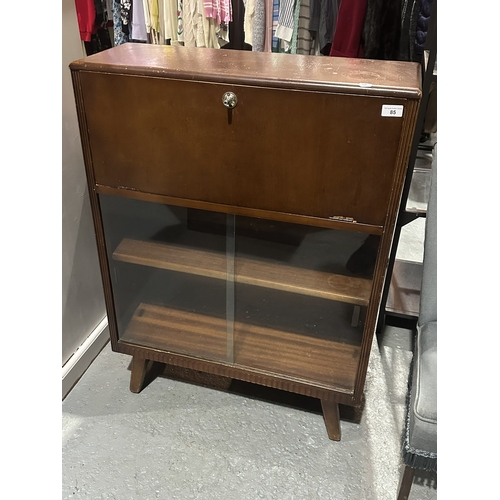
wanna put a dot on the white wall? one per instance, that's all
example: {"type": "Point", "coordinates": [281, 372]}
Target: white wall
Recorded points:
{"type": "Point", "coordinates": [83, 299]}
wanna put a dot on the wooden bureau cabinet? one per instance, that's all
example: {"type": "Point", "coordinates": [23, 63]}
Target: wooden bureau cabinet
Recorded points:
{"type": "Point", "coordinates": [244, 206]}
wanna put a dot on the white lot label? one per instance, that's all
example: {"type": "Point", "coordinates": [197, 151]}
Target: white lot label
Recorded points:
{"type": "Point", "coordinates": [392, 110]}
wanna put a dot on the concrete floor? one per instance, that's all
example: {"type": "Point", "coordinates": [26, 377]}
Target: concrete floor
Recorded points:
{"type": "Point", "coordinates": [178, 440]}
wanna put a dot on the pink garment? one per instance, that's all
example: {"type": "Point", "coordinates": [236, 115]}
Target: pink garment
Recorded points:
{"type": "Point", "coordinates": [220, 10]}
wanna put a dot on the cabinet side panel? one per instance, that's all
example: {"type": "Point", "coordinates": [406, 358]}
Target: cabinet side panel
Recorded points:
{"type": "Point", "coordinates": [385, 244]}
{"type": "Point", "coordinates": [94, 203]}
{"type": "Point", "coordinates": [306, 153]}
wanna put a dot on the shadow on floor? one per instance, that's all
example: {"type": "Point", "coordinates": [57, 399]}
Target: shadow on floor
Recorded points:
{"type": "Point", "coordinates": [246, 389]}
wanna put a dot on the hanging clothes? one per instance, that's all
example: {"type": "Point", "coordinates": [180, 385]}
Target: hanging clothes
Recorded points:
{"type": "Point", "coordinates": [170, 21]}
{"type": "Point", "coordinates": [284, 29]}
{"type": "Point", "coordinates": [268, 40]}
{"type": "Point", "coordinates": [409, 14]}
{"type": "Point", "coordinates": [119, 35]}
{"type": "Point", "coordinates": [189, 23]}
{"type": "Point", "coordinates": [323, 19]}
{"type": "Point", "coordinates": [125, 13]}
{"type": "Point", "coordinates": [160, 33]}
{"type": "Point", "coordinates": [147, 18]}
{"type": "Point", "coordinates": [85, 13]}
{"type": "Point", "coordinates": [348, 30]}
{"type": "Point", "coordinates": [259, 26]}
{"type": "Point", "coordinates": [249, 20]}
{"type": "Point", "coordinates": [293, 47]}
{"type": "Point", "coordinates": [109, 10]}
{"type": "Point", "coordinates": [138, 22]}
{"type": "Point", "coordinates": [305, 39]}
{"type": "Point", "coordinates": [198, 27]}
{"type": "Point", "coordinates": [180, 22]}
{"type": "Point", "coordinates": [275, 44]}
{"type": "Point", "coordinates": [382, 29]}
{"type": "Point", "coordinates": [154, 11]}
{"type": "Point", "coordinates": [220, 10]}
{"type": "Point", "coordinates": [422, 27]}
{"type": "Point", "coordinates": [315, 10]}
{"type": "Point", "coordinates": [206, 28]}
{"type": "Point", "coordinates": [327, 24]}
{"type": "Point", "coordinates": [100, 38]}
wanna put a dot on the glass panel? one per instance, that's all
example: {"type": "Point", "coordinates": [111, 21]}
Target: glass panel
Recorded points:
{"type": "Point", "coordinates": [168, 271]}
{"type": "Point", "coordinates": [301, 299]}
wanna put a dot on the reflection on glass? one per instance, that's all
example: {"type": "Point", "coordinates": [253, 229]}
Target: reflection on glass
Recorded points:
{"type": "Point", "coordinates": [299, 309]}
{"type": "Point", "coordinates": [277, 297]}
{"type": "Point", "coordinates": [163, 261]}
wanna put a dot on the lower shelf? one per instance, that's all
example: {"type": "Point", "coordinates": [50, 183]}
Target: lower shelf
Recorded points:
{"type": "Point", "coordinates": [326, 362]}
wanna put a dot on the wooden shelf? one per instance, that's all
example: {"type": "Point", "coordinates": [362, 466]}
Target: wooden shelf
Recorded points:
{"type": "Point", "coordinates": [326, 362]}
{"type": "Point", "coordinates": [177, 331]}
{"type": "Point", "coordinates": [248, 271]}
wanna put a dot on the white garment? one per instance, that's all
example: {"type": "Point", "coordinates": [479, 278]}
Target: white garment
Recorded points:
{"type": "Point", "coordinates": [285, 20]}
{"type": "Point", "coordinates": [138, 24]}
{"type": "Point", "coordinates": [206, 28]}
{"type": "Point", "coordinates": [161, 32]}
{"type": "Point", "coordinates": [248, 21]}
{"type": "Point", "coordinates": [147, 15]}
{"type": "Point", "coordinates": [180, 21]}
{"type": "Point", "coordinates": [189, 12]}
{"type": "Point", "coordinates": [170, 24]}
{"type": "Point", "coordinates": [109, 9]}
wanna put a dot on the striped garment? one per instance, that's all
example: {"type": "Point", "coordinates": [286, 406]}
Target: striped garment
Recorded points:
{"type": "Point", "coordinates": [275, 42]}
{"type": "Point", "coordinates": [284, 30]}
{"type": "Point", "coordinates": [220, 10]}
{"type": "Point", "coordinates": [305, 40]}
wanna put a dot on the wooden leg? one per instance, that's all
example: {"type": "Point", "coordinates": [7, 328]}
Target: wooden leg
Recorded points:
{"type": "Point", "coordinates": [138, 374]}
{"type": "Point", "coordinates": [332, 419]}
{"type": "Point", "coordinates": [405, 483]}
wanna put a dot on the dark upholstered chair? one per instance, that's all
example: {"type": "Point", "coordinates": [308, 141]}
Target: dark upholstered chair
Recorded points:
{"type": "Point", "coordinates": [420, 436]}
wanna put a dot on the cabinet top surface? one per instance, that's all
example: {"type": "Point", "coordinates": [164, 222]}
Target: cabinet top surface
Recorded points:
{"type": "Point", "coordinates": [319, 73]}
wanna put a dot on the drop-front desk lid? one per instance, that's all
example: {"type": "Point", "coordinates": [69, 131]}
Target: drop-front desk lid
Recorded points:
{"type": "Point", "coordinates": [326, 74]}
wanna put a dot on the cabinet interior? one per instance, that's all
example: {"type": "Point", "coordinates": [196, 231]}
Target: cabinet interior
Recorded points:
{"type": "Point", "coordinates": [272, 296]}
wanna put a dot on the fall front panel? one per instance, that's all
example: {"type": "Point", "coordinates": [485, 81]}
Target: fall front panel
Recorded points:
{"type": "Point", "coordinates": [307, 153]}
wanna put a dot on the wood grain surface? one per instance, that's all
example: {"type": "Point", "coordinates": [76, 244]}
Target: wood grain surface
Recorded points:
{"type": "Point", "coordinates": [326, 362]}
{"type": "Point", "coordinates": [248, 271]}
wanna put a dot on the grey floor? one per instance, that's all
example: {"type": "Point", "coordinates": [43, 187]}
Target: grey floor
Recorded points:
{"type": "Point", "coordinates": [179, 440]}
